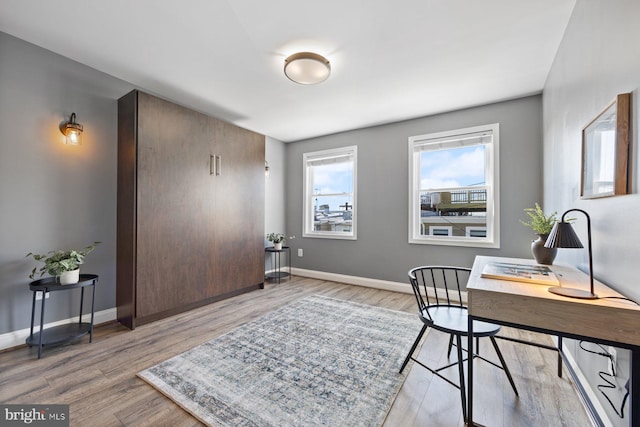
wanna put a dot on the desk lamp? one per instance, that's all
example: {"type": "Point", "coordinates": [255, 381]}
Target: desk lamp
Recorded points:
{"type": "Point", "coordinates": [563, 236]}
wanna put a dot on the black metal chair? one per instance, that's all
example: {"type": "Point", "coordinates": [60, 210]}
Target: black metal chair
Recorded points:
{"type": "Point", "coordinates": [439, 296]}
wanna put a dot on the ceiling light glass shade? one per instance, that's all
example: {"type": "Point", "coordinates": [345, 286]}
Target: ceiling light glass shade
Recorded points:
{"type": "Point", "coordinates": [72, 131]}
{"type": "Point", "coordinates": [307, 68]}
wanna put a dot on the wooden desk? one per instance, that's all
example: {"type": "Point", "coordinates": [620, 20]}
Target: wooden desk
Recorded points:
{"type": "Point", "coordinates": [531, 306]}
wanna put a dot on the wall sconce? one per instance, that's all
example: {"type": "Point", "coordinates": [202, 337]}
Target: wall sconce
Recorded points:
{"type": "Point", "coordinates": [72, 131]}
{"type": "Point", "coordinates": [563, 236]}
{"type": "Point", "coordinates": [266, 169]}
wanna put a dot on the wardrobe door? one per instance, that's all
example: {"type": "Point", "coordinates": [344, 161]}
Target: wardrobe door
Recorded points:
{"type": "Point", "coordinates": [175, 207]}
{"type": "Point", "coordinates": [239, 206]}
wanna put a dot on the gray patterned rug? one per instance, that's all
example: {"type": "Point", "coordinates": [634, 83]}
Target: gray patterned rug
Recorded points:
{"type": "Point", "coordinates": [318, 361]}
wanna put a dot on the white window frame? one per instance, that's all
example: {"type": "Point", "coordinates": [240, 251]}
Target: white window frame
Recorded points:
{"type": "Point", "coordinates": [308, 196]}
{"type": "Point", "coordinates": [492, 183]}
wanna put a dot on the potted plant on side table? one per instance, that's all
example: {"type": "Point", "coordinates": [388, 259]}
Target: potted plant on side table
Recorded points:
{"type": "Point", "coordinates": [542, 225]}
{"type": "Point", "coordinates": [278, 239]}
{"type": "Point", "coordinates": [62, 264]}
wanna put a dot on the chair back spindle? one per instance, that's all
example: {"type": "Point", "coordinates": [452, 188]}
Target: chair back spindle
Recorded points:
{"type": "Point", "coordinates": [438, 286]}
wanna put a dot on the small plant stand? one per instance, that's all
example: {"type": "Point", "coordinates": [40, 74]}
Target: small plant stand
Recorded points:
{"type": "Point", "coordinates": [62, 333]}
{"type": "Point", "coordinates": [275, 273]}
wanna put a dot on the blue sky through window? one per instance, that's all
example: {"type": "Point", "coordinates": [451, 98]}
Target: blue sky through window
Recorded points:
{"type": "Point", "coordinates": [453, 167]}
{"type": "Point", "coordinates": [333, 178]}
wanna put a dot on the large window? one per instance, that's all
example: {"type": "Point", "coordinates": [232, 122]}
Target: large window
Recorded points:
{"type": "Point", "coordinates": [330, 193]}
{"type": "Point", "coordinates": [453, 188]}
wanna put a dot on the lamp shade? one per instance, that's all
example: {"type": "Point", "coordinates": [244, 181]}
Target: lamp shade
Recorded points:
{"type": "Point", "coordinates": [563, 236]}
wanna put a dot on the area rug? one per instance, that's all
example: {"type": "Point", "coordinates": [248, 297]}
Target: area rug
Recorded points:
{"type": "Point", "coordinates": [318, 361]}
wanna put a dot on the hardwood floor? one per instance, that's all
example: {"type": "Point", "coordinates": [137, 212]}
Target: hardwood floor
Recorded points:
{"type": "Point", "coordinates": [99, 380]}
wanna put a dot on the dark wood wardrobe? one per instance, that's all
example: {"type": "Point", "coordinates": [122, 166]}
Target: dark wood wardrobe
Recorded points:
{"type": "Point", "coordinates": [190, 209]}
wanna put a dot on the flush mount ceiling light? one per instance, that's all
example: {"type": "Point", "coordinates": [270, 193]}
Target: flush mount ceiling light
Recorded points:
{"type": "Point", "coordinates": [307, 68]}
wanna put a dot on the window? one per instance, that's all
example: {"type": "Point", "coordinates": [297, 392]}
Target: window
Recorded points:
{"type": "Point", "coordinates": [439, 230]}
{"type": "Point", "coordinates": [453, 188]}
{"type": "Point", "coordinates": [330, 193]}
{"type": "Point", "coordinates": [476, 231]}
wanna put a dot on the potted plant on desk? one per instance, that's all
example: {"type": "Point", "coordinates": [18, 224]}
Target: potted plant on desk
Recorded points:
{"type": "Point", "coordinates": [542, 225]}
{"type": "Point", "coordinates": [278, 239]}
{"type": "Point", "coordinates": [62, 264]}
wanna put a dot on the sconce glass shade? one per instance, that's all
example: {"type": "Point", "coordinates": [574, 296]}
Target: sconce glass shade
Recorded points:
{"type": "Point", "coordinates": [564, 236]}
{"type": "Point", "coordinates": [307, 68]}
{"type": "Point", "coordinates": [72, 131]}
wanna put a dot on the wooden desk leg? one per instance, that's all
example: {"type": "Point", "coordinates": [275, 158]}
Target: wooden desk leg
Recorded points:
{"type": "Point", "coordinates": [634, 388]}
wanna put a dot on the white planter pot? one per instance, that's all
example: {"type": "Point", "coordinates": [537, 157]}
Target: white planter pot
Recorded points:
{"type": "Point", "coordinates": [277, 246]}
{"type": "Point", "coordinates": [70, 277]}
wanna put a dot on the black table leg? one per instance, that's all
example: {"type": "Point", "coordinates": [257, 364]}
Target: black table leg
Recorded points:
{"type": "Point", "coordinates": [634, 387]}
{"type": "Point", "coordinates": [33, 312]}
{"type": "Point", "coordinates": [559, 356]}
{"type": "Point", "coordinates": [93, 300]}
{"type": "Point", "coordinates": [469, 420]}
{"type": "Point", "coordinates": [81, 303]}
{"type": "Point", "coordinates": [44, 298]}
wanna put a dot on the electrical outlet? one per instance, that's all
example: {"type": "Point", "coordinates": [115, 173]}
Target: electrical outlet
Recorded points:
{"type": "Point", "coordinates": [39, 296]}
{"type": "Point", "coordinates": [300, 252]}
{"type": "Point", "coordinates": [613, 361]}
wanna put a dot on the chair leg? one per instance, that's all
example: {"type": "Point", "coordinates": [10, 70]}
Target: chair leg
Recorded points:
{"type": "Point", "coordinates": [413, 348]}
{"type": "Point", "coordinates": [450, 345]}
{"type": "Point", "coordinates": [504, 365]}
{"type": "Point", "coordinates": [463, 393]}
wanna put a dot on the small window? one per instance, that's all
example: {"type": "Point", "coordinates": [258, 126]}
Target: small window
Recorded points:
{"type": "Point", "coordinates": [476, 231]}
{"type": "Point", "coordinates": [440, 231]}
{"type": "Point", "coordinates": [330, 193]}
{"type": "Point", "coordinates": [453, 188]}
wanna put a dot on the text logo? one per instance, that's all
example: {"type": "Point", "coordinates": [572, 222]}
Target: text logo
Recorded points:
{"type": "Point", "coordinates": [34, 415]}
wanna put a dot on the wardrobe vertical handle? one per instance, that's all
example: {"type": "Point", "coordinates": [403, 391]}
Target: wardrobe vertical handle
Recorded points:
{"type": "Point", "coordinates": [212, 164]}
{"type": "Point", "coordinates": [218, 165]}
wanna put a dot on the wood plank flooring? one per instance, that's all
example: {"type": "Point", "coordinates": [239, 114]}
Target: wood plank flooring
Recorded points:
{"type": "Point", "coordinates": [99, 380]}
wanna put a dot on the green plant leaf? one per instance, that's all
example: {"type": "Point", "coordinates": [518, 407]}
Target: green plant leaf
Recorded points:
{"type": "Point", "coordinates": [538, 221]}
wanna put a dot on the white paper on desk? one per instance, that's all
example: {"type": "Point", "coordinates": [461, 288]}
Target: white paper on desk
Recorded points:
{"type": "Point", "coordinates": [538, 274]}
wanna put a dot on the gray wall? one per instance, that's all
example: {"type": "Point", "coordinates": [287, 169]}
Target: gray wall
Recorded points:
{"type": "Point", "coordinates": [598, 58]}
{"type": "Point", "coordinates": [382, 251]}
{"type": "Point", "coordinates": [54, 196]}
{"type": "Point", "coordinates": [275, 219]}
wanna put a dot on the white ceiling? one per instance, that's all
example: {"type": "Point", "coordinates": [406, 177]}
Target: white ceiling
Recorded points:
{"type": "Point", "coordinates": [391, 59]}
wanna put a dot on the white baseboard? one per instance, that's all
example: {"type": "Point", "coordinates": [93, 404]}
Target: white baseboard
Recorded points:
{"type": "Point", "coordinates": [385, 285]}
{"type": "Point", "coordinates": [354, 280]}
{"type": "Point", "coordinates": [16, 338]}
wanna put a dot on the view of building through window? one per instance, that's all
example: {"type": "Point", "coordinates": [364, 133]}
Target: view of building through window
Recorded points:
{"type": "Point", "coordinates": [452, 192]}
{"type": "Point", "coordinates": [330, 193]}
{"type": "Point", "coordinates": [453, 187]}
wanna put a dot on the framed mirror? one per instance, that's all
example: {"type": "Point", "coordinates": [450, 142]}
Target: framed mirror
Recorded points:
{"type": "Point", "coordinates": [605, 151]}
